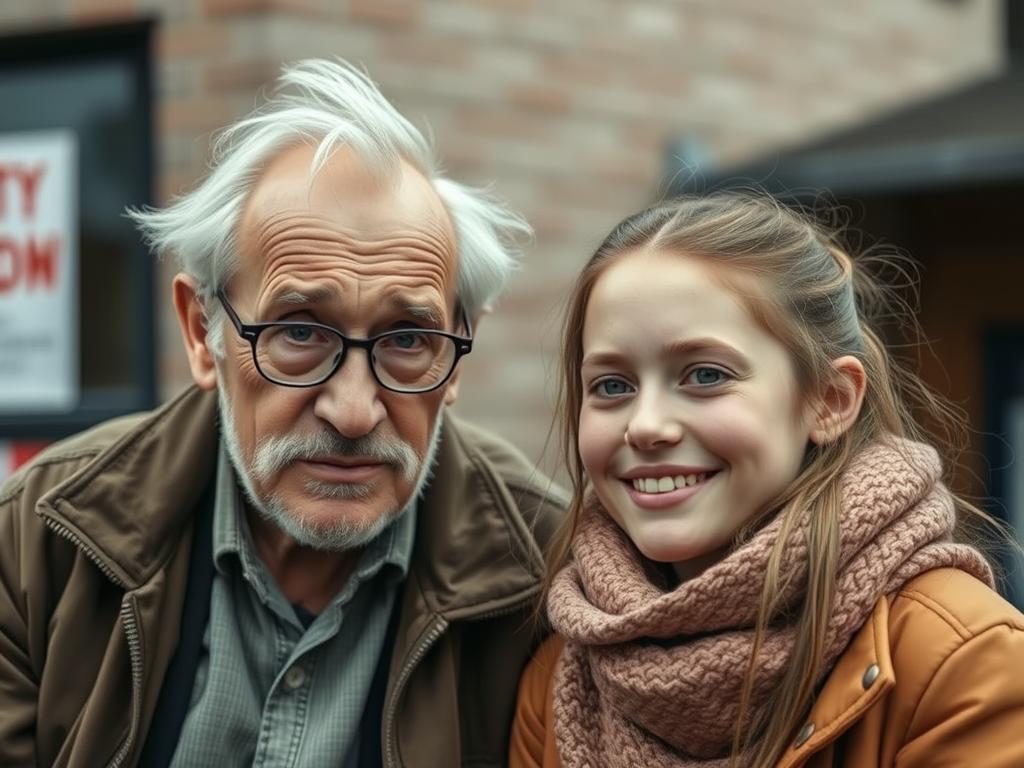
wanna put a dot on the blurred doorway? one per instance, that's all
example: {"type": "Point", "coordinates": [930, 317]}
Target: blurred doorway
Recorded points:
{"type": "Point", "coordinates": [1004, 373]}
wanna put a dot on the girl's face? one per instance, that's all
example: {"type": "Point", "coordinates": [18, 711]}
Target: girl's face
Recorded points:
{"type": "Point", "coordinates": [690, 422]}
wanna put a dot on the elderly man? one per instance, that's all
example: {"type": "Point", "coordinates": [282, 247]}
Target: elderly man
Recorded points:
{"type": "Point", "coordinates": [303, 560]}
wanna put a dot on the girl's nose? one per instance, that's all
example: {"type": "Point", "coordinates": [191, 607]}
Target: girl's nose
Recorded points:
{"type": "Point", "coordinates": [652, 425]}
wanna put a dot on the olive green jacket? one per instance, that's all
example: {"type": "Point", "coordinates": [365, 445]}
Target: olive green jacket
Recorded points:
{"type": "Point", "coordinates": [95, 536]}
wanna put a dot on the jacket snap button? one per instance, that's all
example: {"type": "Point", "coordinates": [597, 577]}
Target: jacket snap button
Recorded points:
{"type": "Point", "coordinates": [804, 735]}
{"type": "Point", "coordinates": [870, 675]}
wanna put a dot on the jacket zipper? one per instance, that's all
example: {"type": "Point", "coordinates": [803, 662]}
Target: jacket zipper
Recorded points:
{"type": "Point", "coordinates": [432, 635]}
{"type": "Point", "coordinates": [130, 622]}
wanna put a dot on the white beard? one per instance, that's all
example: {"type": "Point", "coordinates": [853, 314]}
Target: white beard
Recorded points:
{"type": "Point", "coordinates": [338, 536]}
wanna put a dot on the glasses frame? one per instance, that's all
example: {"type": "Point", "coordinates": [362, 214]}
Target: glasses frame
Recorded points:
{"type": "Point", "coordinates": [251, 332]}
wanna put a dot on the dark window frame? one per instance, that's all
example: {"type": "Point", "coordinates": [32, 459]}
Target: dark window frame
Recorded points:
{"type": "Point", "coordinates": [130, 43]}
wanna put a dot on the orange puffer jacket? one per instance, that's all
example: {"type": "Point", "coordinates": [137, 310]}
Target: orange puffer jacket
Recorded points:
{"type": "Point", "coordinates": [934, 678]}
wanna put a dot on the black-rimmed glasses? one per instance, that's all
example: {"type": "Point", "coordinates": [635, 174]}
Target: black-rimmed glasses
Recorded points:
{"type": "Point", "coordinates": [300, 354]}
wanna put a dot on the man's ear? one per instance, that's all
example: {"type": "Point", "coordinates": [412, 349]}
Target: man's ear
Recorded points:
{"type": "Point", "coordinates": [452, 386]}
{"type": "Point", "coordinates": [838, 406]}
{"type": "Point", "coordinates": [192, 322]}
{"type": "Point", "coordinates": [451, 391]}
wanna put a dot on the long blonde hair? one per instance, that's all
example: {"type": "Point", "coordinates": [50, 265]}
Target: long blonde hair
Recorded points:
{"type": "Point", "coordinates": [822, 305]}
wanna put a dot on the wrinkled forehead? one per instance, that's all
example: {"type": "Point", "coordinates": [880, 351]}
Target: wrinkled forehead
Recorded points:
{"type": "Point", "coordinates": [361, 218]}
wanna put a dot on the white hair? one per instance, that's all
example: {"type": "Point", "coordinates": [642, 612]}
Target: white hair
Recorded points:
{"type": "Point", "coordinates": [333, 104]}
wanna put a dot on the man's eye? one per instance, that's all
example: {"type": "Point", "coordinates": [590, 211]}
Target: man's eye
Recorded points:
{"type": "Point", "coordinates": [611, 388]}
{"type": "Point", "coordinates": [406, 340]}
{"type": "Point", "coordinates": [706, 377]}
{"type": "Point", "coordinates": [299, 333]}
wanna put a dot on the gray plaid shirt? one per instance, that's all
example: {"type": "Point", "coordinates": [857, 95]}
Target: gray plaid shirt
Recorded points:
{"type": "Point", "coordinates": [269, 692]}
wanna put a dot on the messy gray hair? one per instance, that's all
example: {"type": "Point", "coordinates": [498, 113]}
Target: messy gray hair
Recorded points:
{"type": "Point", "coordinates": [333, 104]}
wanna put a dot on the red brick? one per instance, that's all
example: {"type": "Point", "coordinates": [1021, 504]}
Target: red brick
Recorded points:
{"type": "Point", "coordinates": [192, 116]}
{"type": "Point", "coordinates": [492, 121]}
{"type": "Point", "coordinates": [574, 68]}
{"type": "Point", "coordinates": [541, 98]}
{"type": "Point", "coordinates": [103, 10]}
{"type": "Point", "coordinates": [240, 7]}
{"type": "Point", "coordinates": [521, 6]}
{"type": "Point", "coordinates": [191, 39]}
{"type": "Point", "coordinates": [241, 75]}
{"type": "Point", "coordinates": [625, 169]}
{"type": "Point", "coordinates": [386, 13]}
{"type": "Point", "coordinates": [402, 46]}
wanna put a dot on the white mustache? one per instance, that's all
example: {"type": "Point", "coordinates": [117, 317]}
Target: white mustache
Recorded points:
{"type": "Point", "coordinates": [275, 453]}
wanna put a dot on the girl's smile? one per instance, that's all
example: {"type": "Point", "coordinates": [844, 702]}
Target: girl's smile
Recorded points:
{"type": "Point", "coordinates": [665, 486]}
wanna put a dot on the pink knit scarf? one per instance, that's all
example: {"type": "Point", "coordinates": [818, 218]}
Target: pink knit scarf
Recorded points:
{"type": "Point", "coordinates": [622, 698]}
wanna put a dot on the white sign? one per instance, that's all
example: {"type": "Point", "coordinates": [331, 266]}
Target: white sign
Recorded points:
{"type": "Point", "coordinates": [38, 272]}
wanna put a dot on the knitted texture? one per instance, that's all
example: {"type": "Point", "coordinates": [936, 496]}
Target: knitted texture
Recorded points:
{"type": "Point", "coordinates": [622, 698]}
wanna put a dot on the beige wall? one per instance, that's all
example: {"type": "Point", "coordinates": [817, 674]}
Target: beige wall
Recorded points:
{"type": "Point", "coordinates": [566, 105]}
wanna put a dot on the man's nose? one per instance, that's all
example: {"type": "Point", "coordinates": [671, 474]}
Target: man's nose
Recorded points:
{"type": "Point", "coordinates": [350, 400]}
{"type": "Point", "coordinates": [653, 423]}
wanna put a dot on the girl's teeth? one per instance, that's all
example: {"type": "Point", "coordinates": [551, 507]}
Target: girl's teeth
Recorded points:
{"type": "Point", "coordinates": [666, 484]}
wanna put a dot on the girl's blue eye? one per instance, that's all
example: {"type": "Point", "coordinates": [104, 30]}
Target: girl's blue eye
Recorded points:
{"type": "Point", "coordinates": [612, 388]}
{"type": "Point", "coordinates": [706, 377]}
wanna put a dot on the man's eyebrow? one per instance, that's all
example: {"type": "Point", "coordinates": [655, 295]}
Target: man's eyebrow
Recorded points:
{"type": "Point", "coordinates": [314, 296]}
{"type": "Point", "coordinates": [425, 312]}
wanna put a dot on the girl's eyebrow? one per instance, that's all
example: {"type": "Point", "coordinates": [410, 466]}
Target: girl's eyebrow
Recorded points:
{"type": "Point", "coordinates": [603, 358]}
{"type": "Point", "coordinates": [678, 348]}
{"type": "Point", "coordinates": [705, 345]}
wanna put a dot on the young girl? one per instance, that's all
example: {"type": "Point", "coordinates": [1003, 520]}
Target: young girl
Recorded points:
{"type": "Point", "coordinates": [759, 566]}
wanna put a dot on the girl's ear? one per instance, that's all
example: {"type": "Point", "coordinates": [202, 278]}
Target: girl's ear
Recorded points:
{"type": "Point", "coordinates": [839, 404]}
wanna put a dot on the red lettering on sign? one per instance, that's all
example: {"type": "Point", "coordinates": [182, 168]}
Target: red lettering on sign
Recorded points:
{"type": "Point", "coordinates": [10, 264]}
{"type": "Point", "coordinates": [41, 262]}
{"type": "Point", "coordinates": [26, 180]}
{"type": "Point", "coordinates": [29, 180]}
{"type": "Point", "coordinates": [33, 262]}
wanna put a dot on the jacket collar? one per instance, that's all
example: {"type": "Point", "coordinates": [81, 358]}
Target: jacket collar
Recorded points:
{"type": "Point", "coordinates": [474, 552]}
{"type": "Point", "coordinates": [131, 503]}
{"type": "Point", "coordinates": [862, 675]}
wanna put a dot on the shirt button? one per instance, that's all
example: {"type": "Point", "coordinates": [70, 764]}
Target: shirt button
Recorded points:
{"type": "Point", "coordinates": [870, 675]}
{"type": "Point", "coordinates": [295, 677]}
{"type": "Point", "coordinates": [804, 735]}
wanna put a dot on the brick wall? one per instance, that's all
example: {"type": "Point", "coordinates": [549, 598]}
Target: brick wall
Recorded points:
{"type": "Point", "coordinates": [567, 105]}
